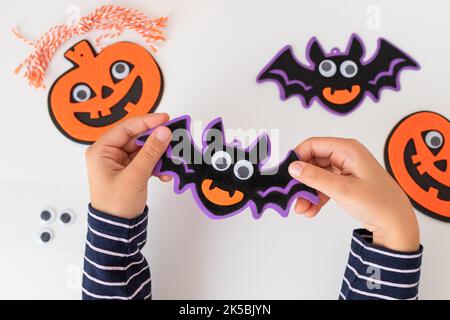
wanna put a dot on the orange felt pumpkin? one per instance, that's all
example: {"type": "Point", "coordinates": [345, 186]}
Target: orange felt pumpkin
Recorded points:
{"type": "Point", "coordinates": [417, 154]}
{"type": "Point", "coordinates": [121, 81]}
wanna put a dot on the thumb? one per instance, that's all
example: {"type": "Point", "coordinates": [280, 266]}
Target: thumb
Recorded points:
{"type": "Point", "coordinates": [318, 178]}
{"type": "Point", "coordinates": [146, 159]}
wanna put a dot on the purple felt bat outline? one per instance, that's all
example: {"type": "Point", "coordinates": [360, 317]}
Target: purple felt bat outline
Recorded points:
{"type": "Point", "coordinates": [333, 53]}
{"type": "Point", "coordinates": [311, 197]}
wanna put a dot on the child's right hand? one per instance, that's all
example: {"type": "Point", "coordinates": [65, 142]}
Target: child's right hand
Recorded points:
{"type": "Point", "coordinates": [344, 170]}
{"type": "Point", "coordinates": [119, 170]}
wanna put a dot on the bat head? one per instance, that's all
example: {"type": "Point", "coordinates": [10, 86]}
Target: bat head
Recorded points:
{"type": "Point", "coordinates": [228, 173]}
{"type": "Point", "coordinates": [339, 82]}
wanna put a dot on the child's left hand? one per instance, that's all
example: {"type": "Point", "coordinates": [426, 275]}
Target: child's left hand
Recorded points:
{"type": "Point", "coordinates": [118, 171]}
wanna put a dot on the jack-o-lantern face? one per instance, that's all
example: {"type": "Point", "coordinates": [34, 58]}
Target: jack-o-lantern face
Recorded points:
{"type": "Point", "coordinates": [121, 81]}
{"type": "Point", "coordinates": [417, 154]}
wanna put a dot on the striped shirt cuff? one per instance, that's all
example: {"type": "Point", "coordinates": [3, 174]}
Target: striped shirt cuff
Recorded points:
{"type": "Point", "coordinates": [114, 267]}
{"type": "Point", "coordinates": [378, 273]}
{"type": "Point", "coordinates": [115, 226]}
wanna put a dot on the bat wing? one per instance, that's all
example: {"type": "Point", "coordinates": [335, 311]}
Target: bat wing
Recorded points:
{"type": "Point", "coordinates": [181, 154]}
{"type": "Point", "coordinates": [278, 189]}
{"type": "Point", "coordinates": [383, 71]}
{"type": "Point", "coordinates": [290, 75]}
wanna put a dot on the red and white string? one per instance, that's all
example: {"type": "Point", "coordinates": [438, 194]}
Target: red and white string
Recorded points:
{"type": "Point", "coordinates": [112, 18]}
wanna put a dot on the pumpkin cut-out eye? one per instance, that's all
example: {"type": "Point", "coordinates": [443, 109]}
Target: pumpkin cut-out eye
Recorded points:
{"type": "Point", "coordinates": [221, 160]}
{"type": "Point", "coordinates": [434, 140]}
{"type": "Point", "coordinates": [243, 169]}
{"type": "Point", "coordinates": [327, 68]}
{"type": "Point", "coordinates": [81, 93]}
{"type": "Point", "coordinates": [120, 70]}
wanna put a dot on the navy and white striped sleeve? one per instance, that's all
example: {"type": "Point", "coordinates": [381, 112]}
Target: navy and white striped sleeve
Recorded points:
{"type": "Point", "coordinates": [114, 267]}
{"type": "Point", "coordinates": [375, 273]}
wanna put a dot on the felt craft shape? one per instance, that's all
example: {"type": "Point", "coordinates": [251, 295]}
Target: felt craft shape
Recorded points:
{"type": "Point", "coordinates": [417, 155]}
{"type": "Point", "coordinates": [225, 178]}
{"type": "Point", "coordinates": [339, 81]}
{"type": "Point", "coordinates": [102, 89]}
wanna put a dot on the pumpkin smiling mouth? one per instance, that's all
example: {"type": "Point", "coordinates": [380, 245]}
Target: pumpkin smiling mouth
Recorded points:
{"type": "Point", "coordinates": [342, 96]}
{"type": "Point", "coordinates": [425, 181]}
{"type": "Point", "coordinates": [219, 196]}
{"type": "Point", "coordinates": [117, 111]}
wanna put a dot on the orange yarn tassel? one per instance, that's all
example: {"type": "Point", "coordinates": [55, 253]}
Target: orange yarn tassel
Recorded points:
{"type": "Point", "coordinates": [113, 18]}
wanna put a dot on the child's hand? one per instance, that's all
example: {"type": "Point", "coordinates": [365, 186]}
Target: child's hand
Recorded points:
{"type": "Point", "coordinates": [118, 171]}
{"type": "Point", "coordinates": [344, 170]}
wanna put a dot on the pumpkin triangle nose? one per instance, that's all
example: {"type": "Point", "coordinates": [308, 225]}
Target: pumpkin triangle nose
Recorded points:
{"type": "Point", "coordinates": [441, 165]}
{"type": "Point", "coordinates": [106, 92]}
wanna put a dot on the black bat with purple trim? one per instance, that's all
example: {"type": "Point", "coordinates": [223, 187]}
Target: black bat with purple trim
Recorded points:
{"type": "Point", "coordinates": [339, 81]}
{"type": "Point", "coordinates": [225, 178]}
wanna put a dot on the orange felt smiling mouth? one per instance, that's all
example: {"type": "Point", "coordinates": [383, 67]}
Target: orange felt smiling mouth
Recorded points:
{"type": "Point", "coordinates": [341, 96]}
{"type": "Point", "coordinates": [219, 196]}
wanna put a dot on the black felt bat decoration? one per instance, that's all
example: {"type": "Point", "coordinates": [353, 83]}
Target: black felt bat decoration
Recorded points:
{"type": "Point", "coordinates": [226, 178]}
{"type": "Point", "coordinates": [338, 81]}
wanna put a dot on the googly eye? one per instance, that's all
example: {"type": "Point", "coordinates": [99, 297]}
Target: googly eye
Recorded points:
{"type": "Point", "coordinates": [348, 69]}
{"type": "Point", "coordinates": [221, 160]}
{"type": "Point", "coordinates": [120, 70]}
{"type": "Point", "coordinates": [67, 217]}
{"type": "Point", "coordinates": [81, 93]}
{"type": "Point", "coordinates": [45, 236]}
{"type": "Point", "coordinates": [327, 68]}
{"type": "Point", "coordinates": [47, 215]}
{"type": "Point", "coordinates": [243, 169]}
{"type": "Point", "coordinates": [434, 139]}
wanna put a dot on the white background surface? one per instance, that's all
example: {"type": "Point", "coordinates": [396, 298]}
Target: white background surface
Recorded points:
{"type": "Point", "coordinates": [214, 51]}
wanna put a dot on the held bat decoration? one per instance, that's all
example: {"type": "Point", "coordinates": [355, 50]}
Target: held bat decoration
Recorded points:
{"type": "Point", "coordinates": [339, 81]}
{"type": "Point", "coordinates": [225, 178]}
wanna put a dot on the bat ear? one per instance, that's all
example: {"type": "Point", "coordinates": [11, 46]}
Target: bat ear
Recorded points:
{"type": "Point", "coordinates": [260, 150]}
{"type": "Point", "coordinates": [315, 51]}
{"type": "Point", "coordinates": [179, 123]}
{"type": "Point", "coordinates": [356, 48]}
{"type": "Point", "coordinates": [214, 134]}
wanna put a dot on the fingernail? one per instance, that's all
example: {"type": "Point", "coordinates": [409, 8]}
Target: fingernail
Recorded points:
{"type": "Point", "coordinates": [295, 168]}
{"type": "Point", "coordinates": [162, 134]}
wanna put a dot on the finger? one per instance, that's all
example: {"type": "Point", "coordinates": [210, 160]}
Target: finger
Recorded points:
{"type": "Point", "coordinates": [321, 162]}
{"type": "Point", "coordinates": [165, 178]}
{"type": "Point", "coordinates": [330, 168]}
{"type": "Point", "coordinates": [323, 199]}
{"type": "Point", "coordinates": [315, 177]}
{"type": "Point", "coordinates": [313, 209]}
{"type": "Point", "coordinates": [133, 154]}
{"type": "Point", "coordinates": [145, 161]}
{"type": "Point", "coordinates": [302, 205]}
{"type": "Point", "coordinates": [120, 135]}
{"type": "Point", "coordinates": [340, 151]}
{"type": "Point", "coordinates": [312, 212]}
{"type": "Point", "coordinates": [131, 145]}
